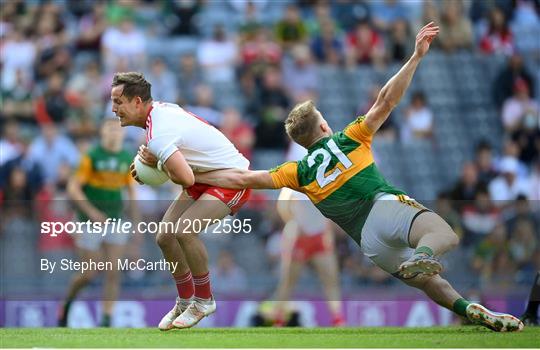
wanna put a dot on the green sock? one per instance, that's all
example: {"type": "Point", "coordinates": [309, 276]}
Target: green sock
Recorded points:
{"type": "Point", "coordinates": [424, 250]}
{"type": "Point", "coordinates": [460, 306]}
{"type": "Point", "coordinates": [105, 321]}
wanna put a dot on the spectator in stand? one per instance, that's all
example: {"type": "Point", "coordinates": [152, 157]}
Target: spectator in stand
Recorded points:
{"type": "Point", "coordinates": [183, 16]}
{"type": "Point", "coordinates": [260, 50]}
{"type": "Point", "coordinates": [526, 13]}
{"type": "Point", "coordinates": [14, 155]}
{"type": "Point", "coordinates": [498, 40]}
{"type": "Point", "coordinates": [388, 130]}
{"type": "Point", "coordinates": [445, 209]}
{"type": "Point", "coordinates": [18, 53]}
{"type": "Point", "coordinates": [204, 105]}
{"type": "Point", "coordinates": [52, 204]}
{"type": "Point", "coordinates": [250, 19]}
{"type": "Point", "coordinates": [479, 9]}
{"type": "Point", "coordinates": [467, 186]}
{"type": "Point", "coordinates": [52, 149]}
{"type": "Point", "coordinates": [53, 105]}
{"type": "Point", "coordinates": [229, 277]}
{"type": "Point", "coordinates": [520, 107]}
{"type": "Point", "coordinates": [10, 11]}
{"type": "Point", "coordinates": [91, 26]}
{"type": "Point", "coordinates": [399, 44]}
{"type": "Point", "coordinates": [527, 137]}
{"type": "Point", "coordinates": [83, 88]}
{"type": "Point", "coordinates": [239, 132]}
{"type": "Point", "coordinates": [21, 175]}
{"type": "Point", "coordinates": [117, 11]}
{"type": "Point", "coordinates": [124, 41]}
{"type": "Point", "coordinates": [364, 45]}
{"type": "Point", "coordinates": [456, 30]}
{"type": "Point", "coordinates": [17, 188]}
{"type": "Point", "coordinates": [484, 162]}
{"type": "Point", "coordinates": [163, 81]}
{"type": "Point", "coordinates": [479, 217]}
{"type": "Point", "coordinates": [430, 13]}
{"type": "Point", "coordinates": [387, 12]}
{"type": "Point", "coordinates": [511, 149]}
{"type": "Point", "coordinates": [217, 57]}
{"type": "Point", "coordinates": [320, 13]}
{"type": "Point", "coordinates": [503, 275]}
{"type": "Point", "coordinates": [523, 243]}
{"type": "Point", "coordinates": [326, 47]}
{"type": "Point", "coordinates": [11, 146]}
{"type": "Point", "coordinates": [270, 106]}
{"type": "Point", "coordinates": [52, 41]}
{"type": "Point", "coordinates": [349, 12]}
{"type": "Point", "coordinates": [520, 210]}
{"type": "Point", "coordinates": [494, 244]}
{"type": "Point", "coordinates": [189, 77]}
{"type": "Point", "coordinates": [50, 30]}
{"type": "Point", "coordinates": [503, 87]}
{"type": "Point", "coordinates": [241, 6]}
{"type": "Point", "coordinates": [17, 99]}
{"type": "Point", "coordinates": [291, 29]}
{"type": "Point", "coordinates": [508, 186]}
{"type": "Point", "coordinates": [418, 120]}
{"type": "Point", "coordinates": [300, 77]}
{"type": "Point", "coordinates": [56, 61]}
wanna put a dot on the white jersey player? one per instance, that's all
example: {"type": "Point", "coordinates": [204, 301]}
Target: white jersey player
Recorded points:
{"type": "Point", "coordinates": [171, 128]}
{"type": "Point", "coordinates": [180, 144]}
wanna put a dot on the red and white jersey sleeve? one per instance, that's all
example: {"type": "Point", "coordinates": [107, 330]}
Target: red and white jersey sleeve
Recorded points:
{"type": "Point", "coordinates": [170, 128]}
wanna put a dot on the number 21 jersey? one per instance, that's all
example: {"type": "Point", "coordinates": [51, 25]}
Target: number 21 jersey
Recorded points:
{"type": "Point", "coordinates": [339, 176]}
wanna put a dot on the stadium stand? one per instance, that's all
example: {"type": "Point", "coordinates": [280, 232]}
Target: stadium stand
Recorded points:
{"type": "Point", "coordinates": [44, 39]}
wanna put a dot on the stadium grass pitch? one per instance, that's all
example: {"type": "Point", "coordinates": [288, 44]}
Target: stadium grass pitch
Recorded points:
{"type": "Point", "coordinates": [435, 337]}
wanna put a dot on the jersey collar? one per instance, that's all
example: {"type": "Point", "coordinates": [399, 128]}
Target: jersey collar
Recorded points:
{"type": "Point", "coordinates": [148, 113]}
{"type": "Point", "coordinates": [317, 144]}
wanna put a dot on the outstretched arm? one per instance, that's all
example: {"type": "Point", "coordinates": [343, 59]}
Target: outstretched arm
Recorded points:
{"type": "Point", "coordinates": [236, 179]}
{"type": "Point", "coordinates": [394, 89]}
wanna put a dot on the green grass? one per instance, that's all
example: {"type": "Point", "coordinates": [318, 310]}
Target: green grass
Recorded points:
{"type": "Point", "coordinates": [436, 337]}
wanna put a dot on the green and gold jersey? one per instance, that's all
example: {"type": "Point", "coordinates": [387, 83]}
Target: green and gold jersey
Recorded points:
{"type": "Point", "coordinates": [339, 176]}
{"type": "Point", "coordinates": [103, 176]}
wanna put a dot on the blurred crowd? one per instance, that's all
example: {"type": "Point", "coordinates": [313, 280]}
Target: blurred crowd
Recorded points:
{"type": "Point", "coordinates": [57, 59]}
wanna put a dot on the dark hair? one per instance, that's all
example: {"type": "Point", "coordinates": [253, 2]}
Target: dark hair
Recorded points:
{"type": "Point", "coordinates": [134, 85]}
{"type": "Point", "coordinates": [483, 145]}
{"type": "Point", "coordinates": [419, 95]}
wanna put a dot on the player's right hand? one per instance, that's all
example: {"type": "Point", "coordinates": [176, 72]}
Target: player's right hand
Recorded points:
{"type": "Point", "coordinates": [146, 156]}
{"type": "Point", "coordinates": [424, 38]}
{"type": "Point", "coordinates": [97, 216]}
{"type": "Point", "coordinates": [133, 173]}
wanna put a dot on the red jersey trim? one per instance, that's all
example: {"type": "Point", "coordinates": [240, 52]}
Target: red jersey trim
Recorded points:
{"type": "Point", "coordinates": [196, 116]}
{"type": "Point", "coordinates": [149, 124]}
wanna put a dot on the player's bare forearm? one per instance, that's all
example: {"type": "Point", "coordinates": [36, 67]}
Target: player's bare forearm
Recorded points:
{"type": "Point", "coordinates": [226, 178]}
{"type": "Point", "coordinates": [76, 194]}
{"type": "Point", "coordinates": [395, 88]}
{"type": "Point", "coordinates": [236, 179]}
{"type": "Point", "coordinates": [179, 170]}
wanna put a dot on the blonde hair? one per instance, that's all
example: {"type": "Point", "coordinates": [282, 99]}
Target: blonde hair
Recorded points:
{"type": "Point", "coordinates": [302, 122]}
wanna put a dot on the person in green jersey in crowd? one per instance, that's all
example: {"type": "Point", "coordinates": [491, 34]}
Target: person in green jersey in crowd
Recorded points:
{"type": "Point", "coordinates": [340, 177]}
{"type": "Point", "coordinates": [97, 191]}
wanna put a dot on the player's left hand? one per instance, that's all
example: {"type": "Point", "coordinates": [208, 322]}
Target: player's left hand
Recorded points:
{"type": "Point", "coordinates": [146, 156]}
{"type": "Point", "coordinates": [424, 38]}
